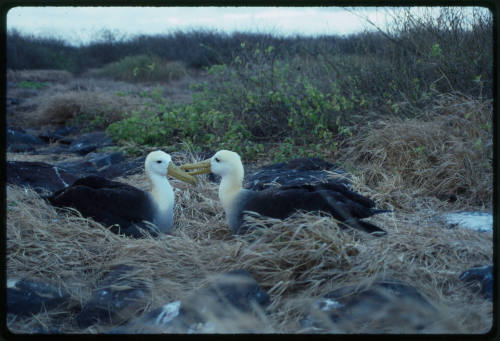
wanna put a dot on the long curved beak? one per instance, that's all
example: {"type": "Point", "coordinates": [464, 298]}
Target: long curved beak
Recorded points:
{"type": "Point", "coordinates": [203, 167]}
{"type": "Point", "coordinates": [180, 174]}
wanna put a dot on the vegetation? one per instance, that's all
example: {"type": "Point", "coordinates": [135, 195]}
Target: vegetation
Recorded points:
{"type": "Point", "coordinates": [406, 111]}
{"type": "Point", "coordinates": [142, 68]}
{"type": "Point", "coordinates": [31, 85]}
{"type": "Point", "coordinates": [293, 96]}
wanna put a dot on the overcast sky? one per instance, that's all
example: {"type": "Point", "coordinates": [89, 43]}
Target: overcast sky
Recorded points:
{"type": "Point", "coordinates": [80, 24]}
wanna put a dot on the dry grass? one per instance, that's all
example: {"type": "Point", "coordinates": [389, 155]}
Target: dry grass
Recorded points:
{"type": "Point", "coordinates": [59, 76]}
{"type": "Point", "coordinates": [103, 101]}
{"type": "Point", "coordinates": [295, 260]}
{"type": "Point", "coordinates": [405, 165]}
{"type": "Point", "coordinates": [61, 109]}
{"type": "Point", "coordinates": [448, 151]}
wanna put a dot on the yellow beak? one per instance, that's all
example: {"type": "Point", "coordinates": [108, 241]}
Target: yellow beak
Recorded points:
{"type": "Point", "coordinates": [202, 166]}
{"type": "Point", "coordinates": [179, 174]}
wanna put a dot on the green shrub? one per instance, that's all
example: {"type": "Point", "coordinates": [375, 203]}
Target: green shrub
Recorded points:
{"type": "Point", "coordinates": [142, 68]}
{"type": "Point", "coordinates": [306, 101]}
{"type": "Point", "coordinates": [31, 85]}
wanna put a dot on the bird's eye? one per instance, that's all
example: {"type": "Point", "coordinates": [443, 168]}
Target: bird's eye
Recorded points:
{"type": "Point", "coordinates": [217, 159]}
{"type": "Point", "coordinates": [158, 161]}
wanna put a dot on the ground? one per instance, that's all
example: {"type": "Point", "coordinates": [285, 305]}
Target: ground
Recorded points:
{"type": "Point", "coordinates": [295, 260]}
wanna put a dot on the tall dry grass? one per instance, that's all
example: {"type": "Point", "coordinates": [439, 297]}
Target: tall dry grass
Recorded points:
{"type": "Point", "coordinates": [94, 107]}
{"type": "Point", "coordinates": [295, 260]}
{"type": "Point", "coordinates": [58, 76]}
{"type": "Point", "coordinates": [445, 153]}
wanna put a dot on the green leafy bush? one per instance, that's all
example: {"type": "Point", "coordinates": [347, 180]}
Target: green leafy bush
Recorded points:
{"type": "Point", "coordinates": [31, 85]}
{"type": "Point", "coordinates": [141, 68]}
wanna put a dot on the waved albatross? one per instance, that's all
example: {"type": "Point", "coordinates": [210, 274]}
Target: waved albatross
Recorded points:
{"type": "Point", "coordinates": [115, 203]}
{"type": "Point", "coordinates": [280, 202]}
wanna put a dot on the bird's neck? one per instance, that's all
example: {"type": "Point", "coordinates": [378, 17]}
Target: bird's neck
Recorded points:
{"type": "Point", "coordinates": [230, 186]}
{"type": "Point", "coordinates": [162, 191]}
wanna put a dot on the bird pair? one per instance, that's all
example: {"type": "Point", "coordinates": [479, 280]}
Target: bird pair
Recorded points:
{"type": "Point", "coordinates": [130, 210]}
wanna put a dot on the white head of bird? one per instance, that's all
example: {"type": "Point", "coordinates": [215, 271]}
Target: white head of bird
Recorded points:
{"type": "Point", "coordinates": [228, 166]}
{"type": "Point", "coordinates": [158, 165]}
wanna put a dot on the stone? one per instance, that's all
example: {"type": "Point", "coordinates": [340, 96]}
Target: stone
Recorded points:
{"type": "Point", "coordinates": [58, 135]}
{"type": "Point", "coordinates": [117, 299]}
{"type": "Point", "coordinates": [38, 175]}
{"type": "Point", "coordinates": [236, 288]}
{"type": "Point", "coordinates": [18, 140]}
{"type": "Point", "coordinates": [87, 143]}
{"type": "Point", "coordinates": [385, 306]}
{"type": "Point", "coordinates": [295, 172]}
{"type": "Point", "coordinates": [27, 297]}
{"type": "Point", "coordinates": [92, 163]}
{"type": "Point", "coordinates": [230, 296]}
{"type": "Point", "coordinates": [482, 275]}
{"type": "Point", "coordinates": [123, 168]}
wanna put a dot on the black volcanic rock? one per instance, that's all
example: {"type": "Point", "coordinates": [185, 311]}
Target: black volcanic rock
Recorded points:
{"type": "Point", "coordinates": [482, 275]}
{"type": "Point", "coordinates": [385, 306]}
{"type": "Point", "coordinates": [18, 140]}
{"type": "Point", "coordinates": [232, 293]}
{"type": "Point", "coordinates": [87, 143]}
{"type": "Point", "coordinates": [27, 297]}
{"type": "Point", "coordinates": [116, 300]}
{"type": "Point", "coordinates": [295, 172]}
{"type": "Point", "coordinates": [38, 175]}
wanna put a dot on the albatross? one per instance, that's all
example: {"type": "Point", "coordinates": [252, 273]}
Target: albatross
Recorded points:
{"type": "Point", "coordinates": [343, 204]}
{"type": "Point", "coordinates": [127, 208]}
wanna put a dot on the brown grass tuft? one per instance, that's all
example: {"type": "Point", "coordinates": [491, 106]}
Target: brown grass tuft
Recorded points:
{"type": "Point", "coordinates": [446, 152]}
{"type": "Point", "coordinates": [96, 108]}
{"type": "Point", "coordinates": [59, 76]}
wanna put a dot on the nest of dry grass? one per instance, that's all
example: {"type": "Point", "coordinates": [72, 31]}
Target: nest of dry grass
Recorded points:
{"type": "Point", "coordinates": [295, 260]}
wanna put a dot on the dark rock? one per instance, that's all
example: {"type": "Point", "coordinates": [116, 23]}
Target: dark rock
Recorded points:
{"type": "Point", "coordinates": [117, 299]}
{"type": "Point", "coordinates": [38, 175]}
{"type": "Point", "coordinates": [87, 143]}
{"type": "Point", "coordinates": [235, 288]}
{"type": "Point", "coordinates": [104, 160]}
{"type": "Point", "coordinates": [19, 141]}
{"type": "Point", "coordinates": [67, 140]}
{"type": "Point", "coordinates": [20, 148]}
{"type": "Point", "coordinates": [235, 293]}
{"type": "Point", "coordinates": [296, 172]}
{"type": "Point", "coordinates": [105, 165]}
{"type": "Point", "coordinates": [43, 330]}
{"type": "Point", "coordinates": [13, 101]}
{"type": "Point", "coordinates": [123, 168]}
{"type": "Point", "coordinates": [26, 297]}
{"type": "Point", "coordinates": [57, 149]}
{"type": "Point", "coordinates": [385, 306]}
{"type": "Point", "coordinates": [66, 130]}
{"type": "Point", "coordinates": [92, 163]}
{"type": "Point", "coordinates": [59, 135]}
{"type": "Point", "coordinates": [482, 275]}
{"type": "Point", "coordinates": [156, 321]}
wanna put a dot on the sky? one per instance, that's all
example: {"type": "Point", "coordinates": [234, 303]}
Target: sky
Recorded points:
{"type": "Point", "coordinates": [82, 24]}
